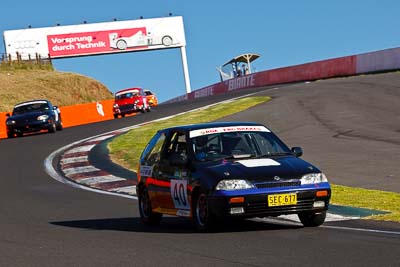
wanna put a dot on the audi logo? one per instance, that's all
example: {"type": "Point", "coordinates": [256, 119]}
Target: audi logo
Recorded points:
{"type": "Point", "coordinates": [25, 44]}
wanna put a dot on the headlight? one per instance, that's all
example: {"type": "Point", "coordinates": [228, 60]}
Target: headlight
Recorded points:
{"type": "Point", "coordinates": [233, 185]}
{"type": "Point", "coordinates": [115, 106]}
{"type": "Point", "coordinates": [42, 117]}
{"type": "Point", "coordinates": [313, 178]}
{"type": "Point", "coordinates": [11, 122]}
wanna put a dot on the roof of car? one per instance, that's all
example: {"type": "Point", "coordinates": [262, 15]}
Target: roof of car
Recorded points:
{"type": "Point", "coordinates": [32, 102]}
{"type": "Point", "coordinates": [192, 127]}
{"type": "Point", "coordinates": [128, 90]}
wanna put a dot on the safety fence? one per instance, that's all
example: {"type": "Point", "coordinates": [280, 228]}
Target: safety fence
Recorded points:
{"type": "Point", "coordinates": [18, 61]}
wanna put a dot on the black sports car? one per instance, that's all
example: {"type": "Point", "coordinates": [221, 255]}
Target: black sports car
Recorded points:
{"type": "Point", "coordinates": [33, 116]}
{"type": "Point", "coordinates": [216, 170]}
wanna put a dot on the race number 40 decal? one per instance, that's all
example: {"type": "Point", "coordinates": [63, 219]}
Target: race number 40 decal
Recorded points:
{"type": "Point", "coordinates": [179, 194]}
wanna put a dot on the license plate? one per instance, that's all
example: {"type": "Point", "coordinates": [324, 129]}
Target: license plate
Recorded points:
{"type": "Point", "coordinates": [282, 200]}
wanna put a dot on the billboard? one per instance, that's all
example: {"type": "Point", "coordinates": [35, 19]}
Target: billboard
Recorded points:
{"type": "Point", "coordinates": [96, 38]}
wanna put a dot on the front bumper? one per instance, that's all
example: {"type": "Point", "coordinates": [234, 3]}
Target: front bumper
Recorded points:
{"type": "Point", "coordinates": [255, 203]}
{"type": "Point", "coordinates": [28, 127]}
{"type": "Point", "coordinates": [127, 109]}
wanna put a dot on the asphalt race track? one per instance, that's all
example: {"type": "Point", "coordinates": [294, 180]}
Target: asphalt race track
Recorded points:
{"type": "Point", "coordinates": [348, 127]}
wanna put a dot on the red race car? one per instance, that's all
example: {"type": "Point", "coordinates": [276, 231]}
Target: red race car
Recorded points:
{"type": "Point", "coordinates": [130, 101]}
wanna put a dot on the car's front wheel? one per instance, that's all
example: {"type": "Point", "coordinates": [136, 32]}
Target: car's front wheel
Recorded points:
{"type": "Point", "coordinates": [52, 127]}
{"type": "Point", "coordinates": [203, 220]}
{"type": "Point", "coordinates": [312, 219]}
{"type": "Point", "coordinates": [147, 215]}
{"type": "Point", "coordinates": [59, 125]}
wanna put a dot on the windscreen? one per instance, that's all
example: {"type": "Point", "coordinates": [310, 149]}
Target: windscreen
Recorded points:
{"type": "Point", "coordinates": [127, 95]}
{"type": "Point", "coordinates": [238, 145]}
{"type": "Point", "coordinates": [30, 107]}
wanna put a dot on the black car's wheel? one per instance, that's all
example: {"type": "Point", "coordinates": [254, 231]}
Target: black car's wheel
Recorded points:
{"type": "Point", "coordinates": [312, 219]}
{"type": "Point", "coordinates": [59, 126]}
{"type": "Point", "coordinates": [10, 135]}
{"type": "Point", "coordinates": [52, 127]}
{"type": "Point", "coordinates": [147, 215]}
{"type": "Point", "coordinates": [203, 220]}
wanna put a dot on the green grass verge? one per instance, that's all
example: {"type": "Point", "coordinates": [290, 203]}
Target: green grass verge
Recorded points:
{"type": "Point", "coordinates": [126, 149]}
{"type": "Point", "coordinates": [369, 199]}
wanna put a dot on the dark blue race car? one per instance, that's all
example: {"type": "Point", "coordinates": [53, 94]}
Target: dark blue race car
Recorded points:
{"type": "Point", "coordinates": [33, 116]}
{"type": "Point", "coordinates": [219, 170]}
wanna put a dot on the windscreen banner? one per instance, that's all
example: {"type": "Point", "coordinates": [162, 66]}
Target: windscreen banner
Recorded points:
{"type": "Point", "coordinates": [96, 38]}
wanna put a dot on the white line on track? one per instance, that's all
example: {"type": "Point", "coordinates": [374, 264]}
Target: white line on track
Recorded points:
{"type": "Point", "coordinates": [101, 138]}
{"type": "Point", "coordinates": [80, 149]}
{"type": "Point", "coordinates": [127, 189]}
{"type": "Point", "coordinates": [361, 230]}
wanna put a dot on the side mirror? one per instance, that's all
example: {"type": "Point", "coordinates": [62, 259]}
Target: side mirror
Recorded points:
{"type": "Point", "coordinates": [297, 151]}
{"type": "Point", "coordinates": [8, 115]}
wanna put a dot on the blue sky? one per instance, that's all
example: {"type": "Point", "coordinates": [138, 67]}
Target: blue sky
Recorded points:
{"type": "Point", "coordinates": [283, 32]}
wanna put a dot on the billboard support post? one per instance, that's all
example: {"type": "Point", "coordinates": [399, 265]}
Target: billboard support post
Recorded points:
{"type": "Point", "coordinates": [185, 69]}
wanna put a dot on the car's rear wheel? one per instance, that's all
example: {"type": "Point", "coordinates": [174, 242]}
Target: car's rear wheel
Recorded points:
{"type": "Point", "coordinates": [203, 220]}
{"type": "Point", "coordinates": [312, 219]}
{"type": "Point", "coordinates": [59, 126]}
{"type": "Point", "coordinates": [147, 215]}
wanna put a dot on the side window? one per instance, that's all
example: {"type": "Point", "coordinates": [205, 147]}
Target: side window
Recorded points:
{"type": "Point", "coordinates": [152, 152]}
{"type": "Point", "coordinates": [176, 145]}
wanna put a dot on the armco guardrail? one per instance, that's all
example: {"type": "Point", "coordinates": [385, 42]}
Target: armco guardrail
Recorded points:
{"type": "Point", "coordinates": [388, 59]}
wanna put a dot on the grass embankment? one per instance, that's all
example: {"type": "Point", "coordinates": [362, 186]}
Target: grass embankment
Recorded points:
{"type": "Point", "coordinates": [369, 199]}
{"type": "Point", "coordinates": [126, 149]}
{"type": "Point", "coordinates": [61, 88]}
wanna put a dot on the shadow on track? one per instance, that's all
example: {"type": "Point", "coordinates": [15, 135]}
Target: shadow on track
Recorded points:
{"type": "Point", "coordinates": [170, 225]}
